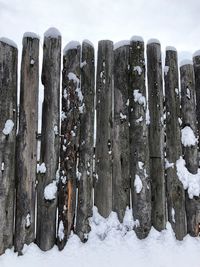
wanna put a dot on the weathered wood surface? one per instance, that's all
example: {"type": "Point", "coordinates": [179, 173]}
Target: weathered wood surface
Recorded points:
{"type": "Point", "coordinates": [156, 135]}
{"type": "Point", "coordinates": [26, 147]}
{"type": "Point", "coordinates": [175, 190]}
{"type": "Point", "coordinates": [121, 151]}
{"type": "Point", "coordinates": [139, 145]}
{"type": "Point", "coordinates": [190, 153]}
{"type": "Point", "coordinates": [104, 142]}
{"type": "Point", "coordinates": [46, 205]}
{"type": "Point", "coordinates": [85, 165]}
{"type": "Point", "coordinates": [8, 123]}
{"type": "Point", "coordinates": [188, 104]}
{"type": "Point", "coordinates": [70, 132]}
{"type": "Point", "coordinates": [196, 64]}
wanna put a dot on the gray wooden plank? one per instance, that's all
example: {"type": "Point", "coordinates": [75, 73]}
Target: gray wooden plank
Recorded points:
{"type": "Point", "coordinates": [8, 126]}
{"type": "Point", "coordinates": [139, 141]}
{"type": "Point", "coordinates": [156, 134]}
{"type": "Point", "coordinates": [175, 190]}
{"type": "Point", "coordinates": [47, 203]}
{"type": "Point", "coordinates": [104, 142]}
{"type": "Point", "coordinates": [85, 164]}
{"type": "Point", "coordinates": [121, 148]}
{"type": "Point", "coordinates": [26, 148]}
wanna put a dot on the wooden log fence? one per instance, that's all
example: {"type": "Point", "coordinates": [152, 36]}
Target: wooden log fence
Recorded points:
{"type": "Point", "coordinates": [145, 126]}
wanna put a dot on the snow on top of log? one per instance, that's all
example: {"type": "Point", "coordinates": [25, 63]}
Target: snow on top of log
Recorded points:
{"type": "Point", "coordinates": [186, 62]}
{"type": "Point", "coordinates": [8, 42]}
{"type": "Point", "coordinates": [52, 33]}
{"type": "Point", "coordinates": [137, 38]}
{"type": "Point", "coordinates": [121, 43]}
{"type": "Point", "coordinates": [153, 41]}
{"type": "Point", "coordinates": [71, 45]}
{"type": "Point", "coordinates": [31, 35]}
{"type": "Point", "coordinates": [88, 42]}
{"type": "Point", "coordinates": [196, 54]}
{"type": "Point", "coordinates": [171, 48]}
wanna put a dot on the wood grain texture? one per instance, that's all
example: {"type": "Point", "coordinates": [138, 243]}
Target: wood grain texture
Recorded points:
{"type": "Point", "coordinates": [8, 111]}
{"type": "Point", "coordinates": [121, 151]}
{"type": "Point", "coordinates": [26, 149]}
{"type": "Point", "coordinates": [46, 208]}
{"type": "Point", "coordinates": [139, 141]}
{"type": "Point", "coordinates": [104, 139]}
{"type": "Point", "coordinates": [175, 190]}
{"type": "Point", "coordinates": [85, 164]}
{"type": "Point", "coordinates": [156, 135]}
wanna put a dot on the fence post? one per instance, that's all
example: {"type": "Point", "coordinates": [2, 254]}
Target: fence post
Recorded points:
{"type": "Point", "coordinates": [196, 64]}
{"type": "Point", "coordinates": [26, 146]}
{"type": "Point", "coordinates": [70, 131]}
{"type": "Point", "coordinates": [47, 180]}
{"type": "Point", "coordinates": [175, 190]}
{"type": "Point", "coordinates": [190, 152]}
{"type": "Point", "coordinates": [104, 142]}
{"type": "Point", "coordinates": [8, 126]}
{"type": "Point", "coordinates": [121, 150]}
{"type": "Point", "coordinates": [85, 165]}
{"type": "Point", "coordinates": [139, 143]}
{"type": "Point", "coordinates": [156, 135]}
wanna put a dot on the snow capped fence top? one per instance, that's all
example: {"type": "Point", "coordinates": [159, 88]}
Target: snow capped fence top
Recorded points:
{"type": "Point", "coordinates": [108, 145]}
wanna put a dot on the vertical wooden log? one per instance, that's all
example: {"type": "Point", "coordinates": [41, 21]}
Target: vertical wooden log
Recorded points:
{"type": "Point", "coordinates": [103, 158]}
{"type": "Point", "coordinates": [26, 148]}
{"type": "Point", "coordinates": [190, 152]}
{"type": "Point", "coordinates": [175, 190]}
{"type": "Point", "coordinates": [85, 166]}
{"type": "Point", "coordinates": [8, 123]}
{"type": "Point", "coordinates": [196, 62]}
{"type": "Point", "coordinates": [156, 135]}
{"type": "Point", "coordinates": [139, 145]}
{"type": "Point", "coordinates": [188, 104]}
{"type": "Point", "coordinates": [47, 188]}
{"type": "Point", "coordinates": [70, 126]}
{"type": "Point", "coordinates": [121, 151]}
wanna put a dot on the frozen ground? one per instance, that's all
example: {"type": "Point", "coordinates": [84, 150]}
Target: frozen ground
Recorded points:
{"type": "Point", "coordinates": [112, 244]}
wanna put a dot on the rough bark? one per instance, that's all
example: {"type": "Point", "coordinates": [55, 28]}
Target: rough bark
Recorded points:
{"type": "Point", "coordinates": [139, 143]}
{"type": "Point", "coordinates": [85, 165]}
{"type": "Point", "coordinates": [121, 151]}
{"type": "Point", "coordinates": [8, 111]}
{"type": "Point", "coordinates": [26, 148]}
{"type": "Point", "coordinates": [70, 131]}
{"type": "Point", "coordinates": [46, 208]}
{"type": "Point", "coordinates": [156, 135]}
{"type": "Point", "coordinates": [104, 142]}
{"type": "Point", "coordinates": [175, 190]}
{"type": "Point", "coordinates": [190, 153]}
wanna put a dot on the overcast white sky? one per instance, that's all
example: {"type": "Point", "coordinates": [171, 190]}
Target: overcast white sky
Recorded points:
{"type": "Point", "coordinates": [173, 22]}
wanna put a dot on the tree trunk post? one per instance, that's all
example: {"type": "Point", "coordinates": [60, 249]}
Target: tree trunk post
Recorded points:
{"type": "Point", "coordinates": [139, 143]}
{"type": "Point", "coordinates": [196, 64]}
{"type": "Point", "coordinates": [47, 180]}
{"type": "Point", "coordinates": [85, 165]}
{"type": "Point", "coordinates": [8, 126]}
{"type": "Point", "coordinates": [26, 147]}
{"type": "Point", "coordinates": [156, 134]}
{"type": "Point", "coordinates": [121, 150]}
{"type": "Point", "coordinates": [104, 142]}
{"type": "Point", "coordinates": [190, 153]}
{"type": "Point", "coordinates": [175, 190]}
{"type": "Point", "coordinates": [72, 106]}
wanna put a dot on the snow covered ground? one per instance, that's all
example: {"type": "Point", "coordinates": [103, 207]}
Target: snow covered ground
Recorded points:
{"type": "Point", "coordinates": [112, 244]}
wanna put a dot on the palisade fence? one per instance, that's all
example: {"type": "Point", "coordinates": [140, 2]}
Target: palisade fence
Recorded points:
{"type": "Point", "coordinates": [140, 140]}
